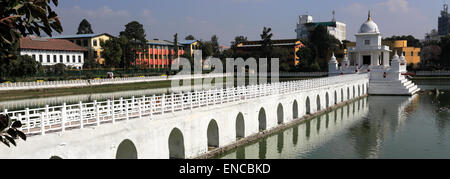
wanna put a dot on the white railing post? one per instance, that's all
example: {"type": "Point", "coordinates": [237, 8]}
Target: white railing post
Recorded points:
{"type": "Point", "coordinates": [152, 104]}
{"type": "Point", "coordinates": [27, 114]}
{"type": "Point", "coordinates": [80, 107]}
{"type": "Point", "coordinates": [140, 108]}
{"type": "Point", "coordinates": [97, 113]}
{"type": "Point", "coordinates": [113, 111]}
{"type": "Point", "coordinates": [121, 106]}
{"type": "Point", "coordinates": [172, 96]}
{"type": "Point", "coordinates": [126, 110]}
{"type": "Point", "coordinates": [182, 101]}
{"type": "Point", "coordinates": [190, 100]}
{"type": "Point", "coordinates": [47, 112]}
{"type": "Point", "coordinates": [63, 117]}
{"type": "Point", "coordinates": [42, 124]}
{"type": "Point", "coordinates": [163, 103]}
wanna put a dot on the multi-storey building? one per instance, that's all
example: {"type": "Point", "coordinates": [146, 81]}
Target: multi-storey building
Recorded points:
{"type": "Point", "coordinates": [306, 25]}
{"type": "Point", "coordinates": [293, 45]}
{"type": "Point", "coordinates": [444, 22]}
{"type": "Point", "coordinates": [159, 54]}
{"type": "Point", "coordinates": [91, 42]}
{"type": "Point", "coordinates": [53, 51]}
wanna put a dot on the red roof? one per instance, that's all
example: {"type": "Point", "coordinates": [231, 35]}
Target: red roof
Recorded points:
{"type": "Point", "coordinates": [39, 43]}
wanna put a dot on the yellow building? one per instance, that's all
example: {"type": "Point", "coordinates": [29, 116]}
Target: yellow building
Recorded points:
{"type": "Point", "coordinates": [190, 46]}
{"type": "Point", "coordinates": [412, 54]}
{"type": "Point", "coordinates": [91, 42]}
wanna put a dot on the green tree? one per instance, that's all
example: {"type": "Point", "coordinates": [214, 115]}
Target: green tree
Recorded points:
{"type": "Point", "coordinates": [445, 50]}
{"type": "Point", "coordinates": [85, 27]}
{"type": "Point", "coordinates": [59, 69]}
{"type": "Point", "coordinates": [136, 42]}
{"type": "Point", "coordinates": [171, 57]}
{"type": "Point", "coordinates": [207, 49]}
{"type": "Point", "coordinates": [19, 18]}
{"type": "Point", "coordinates": [215, 46]}
{"type": "Point", "coordinates": [266, 46]}
{"type": "Point", "coordinates": [112, 51]}
{"type": "Point", "coordinates": [189, 37]}
{"type": "Point", "coordinates": [322, 43]}
{"type": "Point", "coordinates": [9, 130]}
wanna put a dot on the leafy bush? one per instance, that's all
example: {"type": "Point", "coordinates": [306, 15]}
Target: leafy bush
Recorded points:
{"type": "Point", "coordinates": [9, 131]}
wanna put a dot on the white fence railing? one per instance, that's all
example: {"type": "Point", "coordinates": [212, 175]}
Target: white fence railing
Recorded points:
{"type": "Point", "coordinates": [40, 121]}
{"type": "Point", "coordinates": [81, 83]}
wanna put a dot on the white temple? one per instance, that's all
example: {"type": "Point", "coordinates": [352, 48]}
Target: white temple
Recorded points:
{"type": "Point", "coordinates": [369, 56]}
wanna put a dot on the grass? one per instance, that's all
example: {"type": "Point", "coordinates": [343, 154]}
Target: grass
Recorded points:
{"type": "Point", "coordinates": [40, 93]}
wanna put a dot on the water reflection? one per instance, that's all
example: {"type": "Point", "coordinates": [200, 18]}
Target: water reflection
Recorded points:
{"type": "Point", "coordinates": [360, 133]}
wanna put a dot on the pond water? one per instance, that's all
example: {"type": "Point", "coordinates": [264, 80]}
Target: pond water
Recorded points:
{"type": "Point", "coordinates": [373, 127]}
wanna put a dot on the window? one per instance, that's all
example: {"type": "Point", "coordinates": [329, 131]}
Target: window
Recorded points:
{"type": "Point", "coordinates": [61, 59]}
{"type": "Point", "coordinates": [418, 54]}
{"type": "Point", "coordinates": [366, 42]}
{"type": "Point", "coordinates": [95, 43]}
{"type": "Point", "coordinates": [412, 53]}
{"type": "Point", "coordinates": [34, 57]}
{"type": "Point", "coordinates": [48, 58]}
{"type": "Point", "coordinates": [85, 43]}
{"type": "Point", "coordinates": [79, 58]}
{"type": "Point", "coordinates": [68, 58]}
{"type": "Point", "coordinates": [404, 53]}
{"type": "Point", "coordinates": [41, 59]}
{"type": "Point", "coordinates": [73, 59]}
{"type": "Point", "coordinates": [54, 59]}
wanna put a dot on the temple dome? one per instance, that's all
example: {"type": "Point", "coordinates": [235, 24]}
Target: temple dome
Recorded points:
{"type": "Point", "coordinates": [369, 26]}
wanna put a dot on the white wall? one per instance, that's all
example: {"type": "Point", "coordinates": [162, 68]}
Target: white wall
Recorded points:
{"type": "Point", "coordinates": [150, 135]}
{"type": "Point", "coordinates": [78, 56]}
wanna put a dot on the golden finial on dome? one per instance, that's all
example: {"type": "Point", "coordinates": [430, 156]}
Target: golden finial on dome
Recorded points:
{"type": "Point", "coordinates": [369, 18]}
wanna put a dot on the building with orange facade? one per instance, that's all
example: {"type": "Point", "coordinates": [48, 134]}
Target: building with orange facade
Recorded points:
{"type": "Point", "coordinates": [293, 45]}
{"type": "Point", "coordinates": [158, 54]}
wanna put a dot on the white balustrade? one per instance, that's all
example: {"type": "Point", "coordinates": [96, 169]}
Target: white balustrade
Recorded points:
{"type": "Point", "coordinates": [66, 117]}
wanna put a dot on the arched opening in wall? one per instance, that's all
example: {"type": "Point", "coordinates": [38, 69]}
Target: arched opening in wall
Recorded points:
{"type": "Point", "coordinates": [262, 120]}
{"type": "Point", "coordinates": [240, 126]}
{"type": "Point", "coordinates": [318, 103]}
{"type": "Point", "coordinates": [176, 144]}
{"type": "Point", "coordinates": [280, 114]}
{"type": "Point", "coordinates": [335, 97]}
{"type": "Point", "coordinates": [295, 109]}
{"type": "Point", "coordinates": [213, 134]}
{"type": "Point", "coordinates": [55, 157]}
{"type": "Point", "coordinates": [342, 95]}
{"type": "Point", "coordinates": [308, 106]}
{"type": "Point", "coordinates": [126, 150]}
{"type": "Point", "coordinates": [327, 100]}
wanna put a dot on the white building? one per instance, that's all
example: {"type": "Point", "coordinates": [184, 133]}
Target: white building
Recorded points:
{"type": "Point", "coordinates": [53, 51]}
{"type": "Point", "coordinates": [369, 56]}
{"type": "Point", "coordinates": [306, 24]}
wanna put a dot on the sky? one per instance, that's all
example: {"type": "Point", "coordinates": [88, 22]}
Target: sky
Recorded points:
{"type": "Point", "coordinates": [230, 18]}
